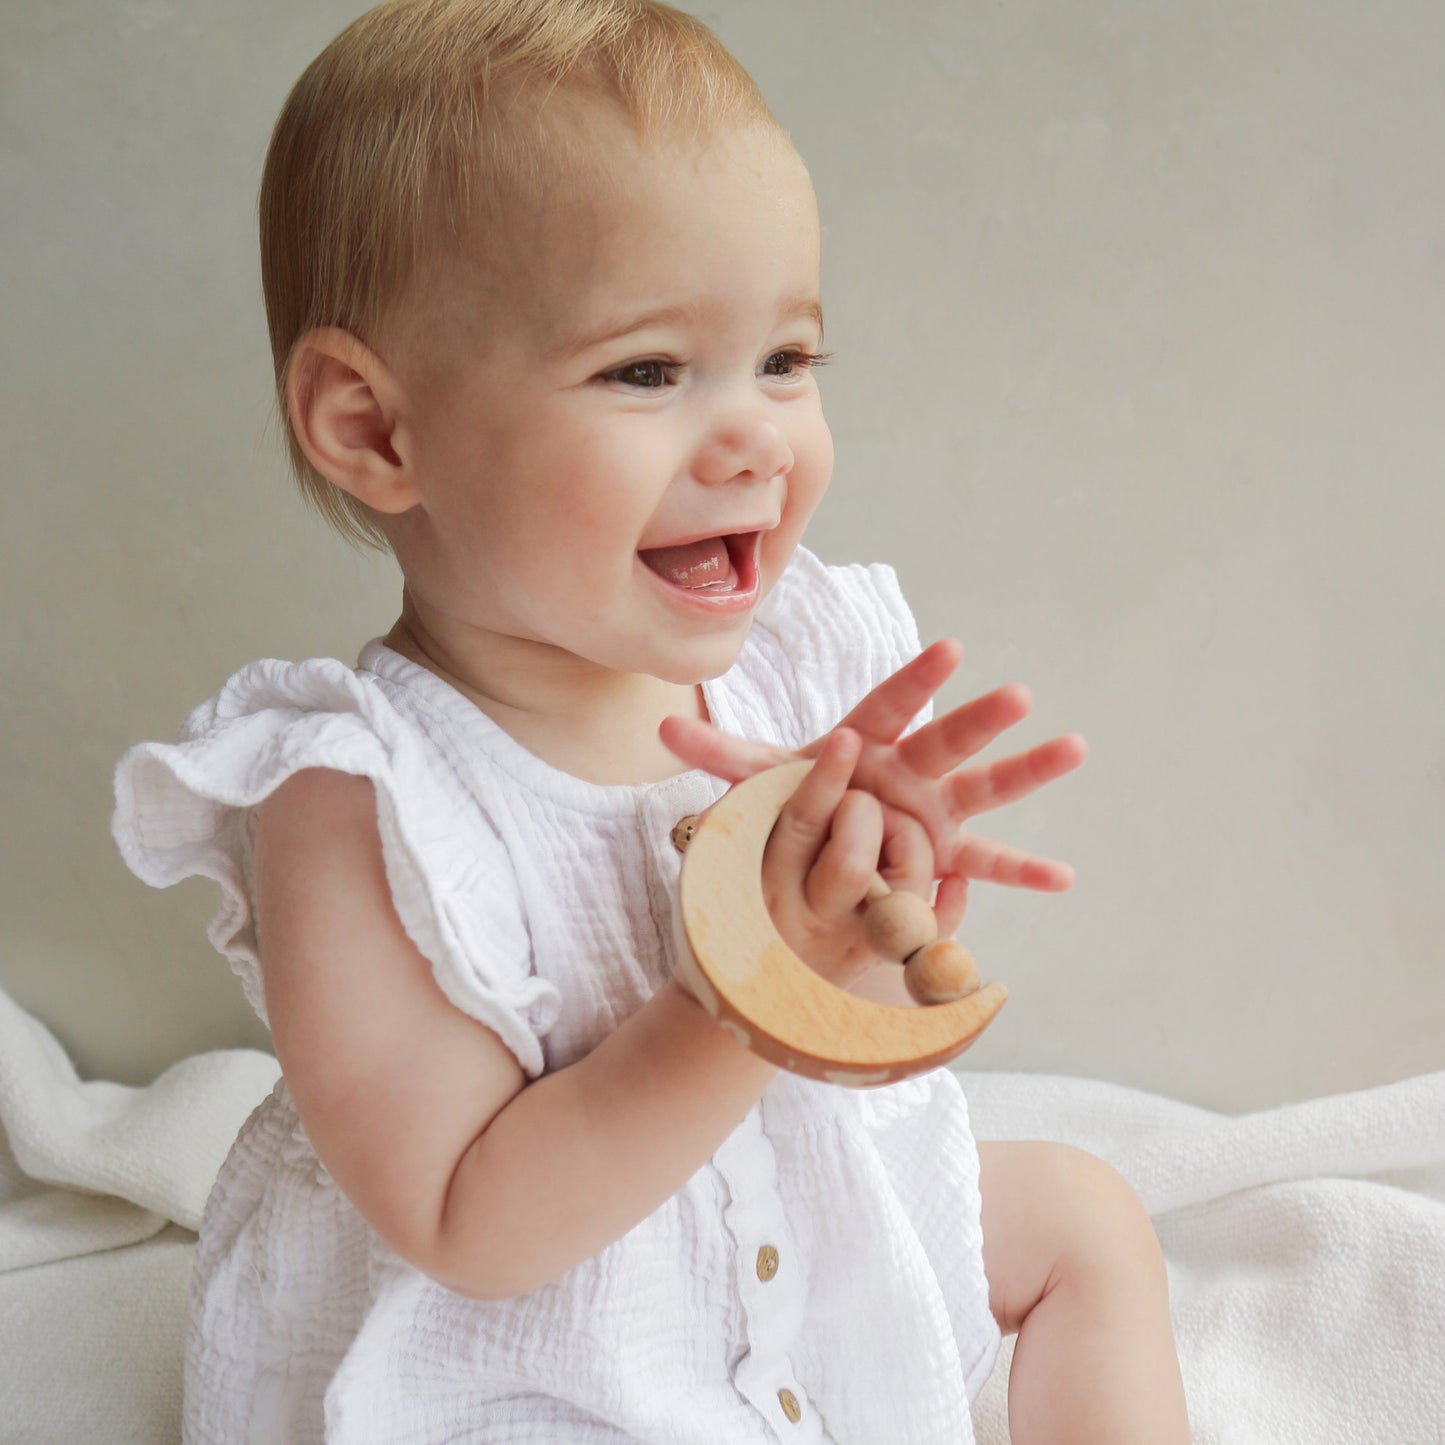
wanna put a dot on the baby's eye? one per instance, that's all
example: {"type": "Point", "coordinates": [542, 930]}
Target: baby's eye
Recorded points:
{"type": "Point", "coordinates": [644, 375]}
{"type": "Point", "coordinates": [793, 363]}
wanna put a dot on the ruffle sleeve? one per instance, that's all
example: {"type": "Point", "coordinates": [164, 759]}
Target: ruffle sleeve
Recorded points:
{"type": "Point", "coordinates": [186, 809]}
{"type": "Point", "coordinates": [839, 630]}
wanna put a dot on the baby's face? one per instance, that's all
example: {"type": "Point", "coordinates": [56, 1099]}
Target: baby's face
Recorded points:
{"type": "Point", "coordinates": [639, 384]}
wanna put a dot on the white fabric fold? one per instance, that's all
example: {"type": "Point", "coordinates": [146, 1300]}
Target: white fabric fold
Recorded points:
{"type": "Point", "coordinates": [86, 1166]}
{"type": "Point", "coordinates": [1176, 1155]}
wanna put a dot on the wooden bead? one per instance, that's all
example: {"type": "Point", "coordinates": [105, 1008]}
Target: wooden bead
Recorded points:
{"type": "Point", "coordinates": [941, 972]}
{"type": "Point", "coordinates": [899, 924]}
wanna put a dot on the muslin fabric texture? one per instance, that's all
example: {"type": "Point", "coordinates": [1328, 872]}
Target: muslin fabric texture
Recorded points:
{"type": "Point", "coordinates": [545, 905]}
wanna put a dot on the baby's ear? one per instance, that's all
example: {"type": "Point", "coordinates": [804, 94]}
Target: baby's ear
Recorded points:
{"type": "Point", "coordinates": [343, 404]}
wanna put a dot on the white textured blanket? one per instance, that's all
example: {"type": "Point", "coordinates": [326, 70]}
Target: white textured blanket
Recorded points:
{"type": "Point", "coordinates": [99, 1185]}
{"type": "Point", "coordinates": [1306, 1244]}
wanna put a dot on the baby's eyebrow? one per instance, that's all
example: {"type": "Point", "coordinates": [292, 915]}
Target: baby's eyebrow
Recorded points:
{"type": "Point", "coordinates": [575, 343]}
{"type": "Point", "coordinates": [808, 307]}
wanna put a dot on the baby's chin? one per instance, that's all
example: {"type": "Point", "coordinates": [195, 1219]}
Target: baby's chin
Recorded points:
{"type": "Point", "coordinates": [694, 671]}
{"type": "Point", "coordinates": [689, 661]}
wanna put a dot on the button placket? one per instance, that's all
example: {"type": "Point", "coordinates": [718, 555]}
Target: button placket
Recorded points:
{"type": "Point", "coordinates": [769, 1284]}
{"type": "Point", "coordinates": [768, 1277]}
{"type": "Point", "coordinates": [774, 1391]}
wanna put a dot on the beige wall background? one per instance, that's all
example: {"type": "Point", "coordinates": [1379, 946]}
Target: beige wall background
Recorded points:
{"type": "Point", "coordinates": [1140, 316]}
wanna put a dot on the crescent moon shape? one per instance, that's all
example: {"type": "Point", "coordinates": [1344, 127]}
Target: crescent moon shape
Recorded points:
{"type": "Point", "coordinates": [747, 977]}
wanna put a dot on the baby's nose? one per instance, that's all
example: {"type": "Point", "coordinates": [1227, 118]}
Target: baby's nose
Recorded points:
{"type": "Point", "coordinates": [742, 445]}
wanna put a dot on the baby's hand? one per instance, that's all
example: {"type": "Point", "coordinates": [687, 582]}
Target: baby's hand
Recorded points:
{"type": "Point", "coordinates": [919, 777]}
{"type": "Point", "coordinates": [822, 855]}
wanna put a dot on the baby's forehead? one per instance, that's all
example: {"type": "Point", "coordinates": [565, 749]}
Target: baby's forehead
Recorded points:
{"type": "Point", "coordinates": [598, 214]}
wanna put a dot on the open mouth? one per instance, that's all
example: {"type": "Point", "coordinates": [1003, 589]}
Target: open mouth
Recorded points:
{"type": "Point", "coordinates": [716, 566]}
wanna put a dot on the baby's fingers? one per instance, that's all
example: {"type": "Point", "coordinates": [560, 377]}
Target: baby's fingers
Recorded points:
{"type": "Point", "coordinates": [839, 880]}
{"type": "Point", "coordinates": [906, 859]}
{"type": "Point", "coordinates": [804, 824]}
{"type": "Point", "coordinates": [991, 862]}
{"type": "Point", "coordinates": [976, 790]}
{"type": "Point", "coordinates": [896, 701]}
{"type": "Point", "coordinates": [941, 745]}
{"type": "Point", "coordinates": [950, 903]}
{"type": "Point", "coordinates": [701, 745]}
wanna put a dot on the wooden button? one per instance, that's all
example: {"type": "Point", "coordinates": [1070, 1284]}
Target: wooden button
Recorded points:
{"type": "Point", "coordinates": [767, 1263]}
{"type": "Point", "coordinates": [682, 832]}
{"type": "Point", "coordinates": [791, 1408]}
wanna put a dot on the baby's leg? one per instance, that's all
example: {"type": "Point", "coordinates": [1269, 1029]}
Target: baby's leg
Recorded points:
{"type": "Point", "coordinates": [1075, 1268]}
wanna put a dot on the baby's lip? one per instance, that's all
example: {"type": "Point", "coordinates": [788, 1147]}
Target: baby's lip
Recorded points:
{"type": "Point", "coordinates": [724, 532]}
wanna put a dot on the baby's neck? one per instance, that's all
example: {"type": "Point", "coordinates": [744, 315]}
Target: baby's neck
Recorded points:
{"type": "Point", "coordinates": [609, 756]}
{"type": "Point", "coordinates": [609, 738]}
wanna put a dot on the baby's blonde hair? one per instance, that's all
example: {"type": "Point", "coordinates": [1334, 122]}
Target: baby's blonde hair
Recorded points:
{"type": "Point", "coordinates": [405, 128]}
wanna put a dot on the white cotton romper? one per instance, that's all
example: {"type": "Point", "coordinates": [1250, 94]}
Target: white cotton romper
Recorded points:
{"type": "Point", "coordinates": [545, 905]}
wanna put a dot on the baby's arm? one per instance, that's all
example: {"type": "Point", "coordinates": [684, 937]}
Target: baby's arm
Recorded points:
{"type": "Point", "coordinates": [489, 1184]}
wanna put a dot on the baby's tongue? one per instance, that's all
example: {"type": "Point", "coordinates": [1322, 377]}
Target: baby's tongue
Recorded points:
{"type": "Point", "coordinates": [696, 564]}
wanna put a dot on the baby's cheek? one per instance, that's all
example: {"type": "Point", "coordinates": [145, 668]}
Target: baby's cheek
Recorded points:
{"type": "Point", "coordinates": [812, 464]}
{"type": "Point", "coordinates": [777, 547]}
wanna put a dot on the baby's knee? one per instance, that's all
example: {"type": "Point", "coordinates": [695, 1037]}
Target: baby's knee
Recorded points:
{"type": "Point", "coordinates": [1058, 1219]}
{"type": "Point", "coordinates": [1109, 1233]}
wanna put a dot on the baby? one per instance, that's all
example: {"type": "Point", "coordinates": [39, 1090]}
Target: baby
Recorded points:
{"type": "Point", "coordinates": [542, 282]}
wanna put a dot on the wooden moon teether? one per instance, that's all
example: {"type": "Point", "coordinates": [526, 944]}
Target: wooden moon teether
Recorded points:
{"type": "Point", "coordinates": [746, 976]}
